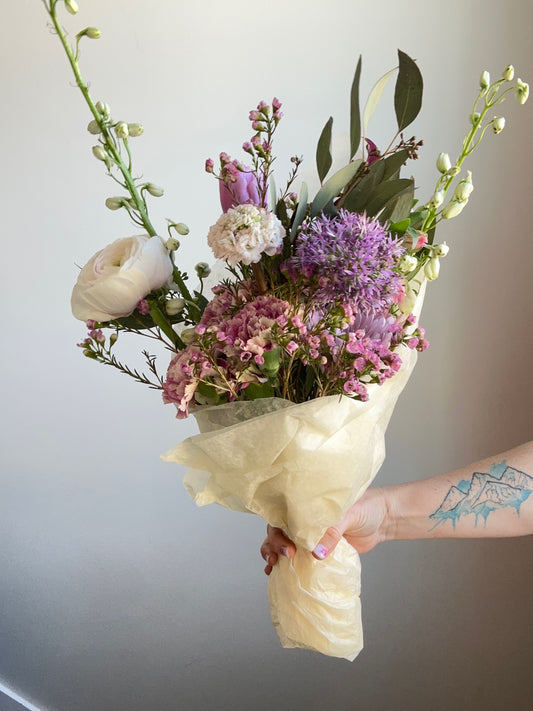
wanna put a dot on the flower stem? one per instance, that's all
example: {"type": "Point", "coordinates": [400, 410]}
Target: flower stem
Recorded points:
{"type": "Point", "coordinates": [109, 144]}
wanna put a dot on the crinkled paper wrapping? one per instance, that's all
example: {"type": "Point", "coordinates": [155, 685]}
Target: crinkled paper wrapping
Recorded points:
{"type": "Point", "coordinates": [300, 467]}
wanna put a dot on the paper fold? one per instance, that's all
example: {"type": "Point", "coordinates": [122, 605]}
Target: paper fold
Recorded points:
{"type": "Point", "coordinates": [300, 467]}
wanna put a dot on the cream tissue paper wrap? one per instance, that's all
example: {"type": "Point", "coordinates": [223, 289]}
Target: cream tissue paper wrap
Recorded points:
{"type": "Point", "coordinates": [300, 467]}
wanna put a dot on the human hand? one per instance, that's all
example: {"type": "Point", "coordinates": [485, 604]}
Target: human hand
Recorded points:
{"type": "Point", "coordinates": [363, 527]}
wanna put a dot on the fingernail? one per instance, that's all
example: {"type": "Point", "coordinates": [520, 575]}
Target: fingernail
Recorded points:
{"type": "Point", "coordinates": [320, 551]}
{"type": "Point", "coordinates": [267, 556]}
{"type": "Point", "coordinates": [283, 551]}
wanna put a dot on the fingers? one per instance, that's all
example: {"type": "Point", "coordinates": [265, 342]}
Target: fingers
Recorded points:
{"type": "Point", "coordinates": [275, 544]}
{"type": "Point", "coordinates": [327, 543]}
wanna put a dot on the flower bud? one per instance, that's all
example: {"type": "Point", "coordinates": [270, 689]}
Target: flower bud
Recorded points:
{"type": "Point", "coordinates": [114, 203]}
{"type": "Point", "coordinates": [172, 244]}
{"type": "Point", "coordinates": [432, 268]}
{"type": "Point", "coordinates": [92, 32]}
{"type": "Point", "coordinates": [174, 306]}
{"type": "Point", "coordinates": [188, 335]}
{"type": "Point", "coordinates": [475, 118]}
{"type": "Point", "coordinates": [443, 163]}
{"type": "Point", "coordinates": [454, 170]}
{"type": "Point", "coordinates": [135, 129]}
{"type": "Point", "coordinates": [203, 269]}
{"type": "Point", "coordinates": [498, 123]}
{"type": "Point", "coordinates": [464, 189]}
{"type": "Point", "coordinates": [93, 127]}
{"type": "Point", "coordinates": [437, 199]}
{"type": "Point", "coordinates": [452, 209]}
{"type": "Point", "coordinates": [508, 73]}
{"type": "Point", "coordinates": [154, 190]}
{"type": "Point", "coordinates": [181, 228]}
{"type": "Point", "coordinates": [100, 153]}
{"type": "Point", "coordinates": [407, 263]}
{"type": "Point", "coordinates": [72, 6]}
{"type": "Point", "coordinates": [522, 91]}
{"type": "Point", "coordinates": [121, 130]}
{"type": "Point", "coordinates": [441, 250]}
{"type": "Point", "coordinates": [484, 81]}
{"type": "Point", "coordinates": [113, 338]}
{"type": "Point", "coordinates": [103, 109]}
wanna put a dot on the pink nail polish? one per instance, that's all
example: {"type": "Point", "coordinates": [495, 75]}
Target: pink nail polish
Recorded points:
{"type": "Point", "coordinates": [320, 551]}
{"type": "Point", "coordinates": [284, 552]}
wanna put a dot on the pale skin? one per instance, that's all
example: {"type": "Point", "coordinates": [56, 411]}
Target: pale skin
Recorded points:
{"type": "Point", "coordinates": [491, 498]}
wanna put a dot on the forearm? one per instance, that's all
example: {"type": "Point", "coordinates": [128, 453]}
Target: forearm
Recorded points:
{"type": "Point", "coordinates": [489, 498]}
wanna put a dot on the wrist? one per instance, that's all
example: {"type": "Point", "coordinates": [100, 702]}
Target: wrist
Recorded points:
{"type": "Point", "coordinates": [391, 515]}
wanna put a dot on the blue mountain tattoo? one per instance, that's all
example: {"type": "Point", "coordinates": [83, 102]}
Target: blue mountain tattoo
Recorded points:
{"type": "Point", "coordinates": [502, 487]}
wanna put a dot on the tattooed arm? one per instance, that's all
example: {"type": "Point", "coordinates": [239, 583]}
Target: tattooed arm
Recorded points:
{"type": "Point", "coordinates": [490, 498]}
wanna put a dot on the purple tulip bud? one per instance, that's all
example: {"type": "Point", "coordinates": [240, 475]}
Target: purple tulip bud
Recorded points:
{"type": "Point", "coordinates": [373, 153]}
{"type": "Point", "coordinates": [241, 192]}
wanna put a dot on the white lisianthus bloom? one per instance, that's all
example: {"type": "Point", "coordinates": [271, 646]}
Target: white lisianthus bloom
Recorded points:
{"type": "Point", "coordinates": [243, 233]}
{"type": "Point", "coordinates": [115, 279]}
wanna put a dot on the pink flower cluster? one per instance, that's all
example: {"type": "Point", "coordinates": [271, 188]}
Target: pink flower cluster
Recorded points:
{"type": "Point", "coordinates": [228, 351]}
{"type": "Point", "coordinates": [266, 341]}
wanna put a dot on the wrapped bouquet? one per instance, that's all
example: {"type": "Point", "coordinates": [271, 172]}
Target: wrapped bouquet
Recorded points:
{"type": "Point", "coordinates": [293, 361]}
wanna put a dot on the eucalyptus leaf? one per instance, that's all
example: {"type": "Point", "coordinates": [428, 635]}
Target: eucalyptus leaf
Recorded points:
{"type": "Point", "coordinates": [408, 91]}
{"type": "Point", "coordinates": [356, 199]}
{"type": "Point", "coordinates": [394, 163]}
{"type": "Point", "coordinates": [355, 112]}
{"type": "Point", "coordinates": [334, 186]}
{"type": "Point", "coordinates": [375, 96]}
{"type": "Point", "coordinates": [385, 192]}
{"type": "Point", "coordinates": [323, 151]}
{"type": "Point", "coordinates": [400, 208]}
{"type": "Point", "coordinates": [299, 215]}
{"type": "Point", "coordinates": [273, 192]}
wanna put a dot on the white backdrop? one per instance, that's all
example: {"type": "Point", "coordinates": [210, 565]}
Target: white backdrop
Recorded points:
{"type": "Point", "coordinates": [115, 591]}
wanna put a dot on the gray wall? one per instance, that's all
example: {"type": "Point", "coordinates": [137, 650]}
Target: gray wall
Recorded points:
{"type": "Point", "coordinates": [115, 591]}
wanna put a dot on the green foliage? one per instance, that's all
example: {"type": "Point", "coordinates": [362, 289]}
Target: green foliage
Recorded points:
{"type": "Point", "coordinates": [408, 91]}
{"type": "Point", "coordinates": [334, 186]}
{"type": "Point", "coordinates": [323, 151]}
{"type": "Point", "coordinates": [355, 113]}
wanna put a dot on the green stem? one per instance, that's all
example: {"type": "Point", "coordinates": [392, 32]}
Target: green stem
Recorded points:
{"type": "Point", "coordinates": [162, 323]}
{"type": "Point", "coordinates": [110, 147]}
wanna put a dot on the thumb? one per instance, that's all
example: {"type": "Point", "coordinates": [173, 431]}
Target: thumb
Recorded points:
{"type": "Point", "coordinates": [327, 543]}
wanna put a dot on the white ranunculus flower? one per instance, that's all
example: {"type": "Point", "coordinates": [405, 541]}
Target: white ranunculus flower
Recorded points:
{"type": "Point", "coordinates": [244, 232]}
{"type": "Point", "coordinates": [115, 279]}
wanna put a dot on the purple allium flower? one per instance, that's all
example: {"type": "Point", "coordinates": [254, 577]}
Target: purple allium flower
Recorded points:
{"type": "Point", "coordinates": [348, 258]}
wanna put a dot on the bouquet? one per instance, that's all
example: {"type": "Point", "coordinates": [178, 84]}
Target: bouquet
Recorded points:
{"type": "Point", "coordinates": [293, 360]}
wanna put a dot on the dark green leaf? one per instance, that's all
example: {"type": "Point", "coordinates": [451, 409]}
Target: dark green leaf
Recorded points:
{"type": "Point", "coordinates": [385, 192]}
{"type": "Point", "coordinates": [209, 391]}
{"type": "Point", "coordinates": [300, 210]}
{"type": "Point", "coordinates": [323, 150]}
{"type": "Point", "coordinates": [399, 228]}
{"type": "Point", "coordinates": [355, 113]}
{"type": "Point", "coordinates": [400, 208]}
{"type": "Point", "coordinates": [394, 163]}
{"type": "Point", "coordinates": [255, 391]}
{"type": "Point", "coordinates": [408, 91]}
{"type": "Point", "coordinates": [334, 186]}
{"type": "Point", "coordinates": [357, 198]}
{"type": "Point", "coordinates": [281, 212]}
